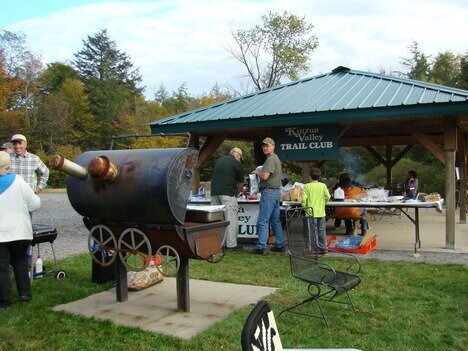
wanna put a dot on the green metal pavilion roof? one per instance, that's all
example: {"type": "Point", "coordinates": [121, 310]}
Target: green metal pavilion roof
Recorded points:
{"type": "Point", "coordinates": [341, 95]}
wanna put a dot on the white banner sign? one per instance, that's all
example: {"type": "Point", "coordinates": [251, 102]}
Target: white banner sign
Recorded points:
{"type": "Point", "coordinates": [247, 215]}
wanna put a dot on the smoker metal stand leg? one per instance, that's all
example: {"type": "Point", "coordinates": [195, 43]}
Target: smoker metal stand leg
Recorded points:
{"type": "Point", "coordinates": [121, 290]}
{"type": "Point", "coordinates": [183, 291]}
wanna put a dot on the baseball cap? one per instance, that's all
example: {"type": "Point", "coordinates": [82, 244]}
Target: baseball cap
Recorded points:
{"type": "Point", "coordinates": [4, 161]}
{"type": "Point", "coordinates": [236, 149]}
{"type": "Point", "coordinates": [269, 141]}
{"type": "Point", "coordinates": [6, 145]}
{"type": "Point", "coordinates": [18, 137]}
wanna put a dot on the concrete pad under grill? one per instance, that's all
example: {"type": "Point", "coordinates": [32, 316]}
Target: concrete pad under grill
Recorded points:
{"type": "Point", "coordinates": [154, 309]}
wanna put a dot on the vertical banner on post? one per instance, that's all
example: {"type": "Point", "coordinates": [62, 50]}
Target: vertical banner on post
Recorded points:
{"type": "Point", "coordinates": [305, 143]}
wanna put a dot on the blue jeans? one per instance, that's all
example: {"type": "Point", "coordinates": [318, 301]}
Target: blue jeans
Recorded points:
{"type": "Point", "coordinates": [362, 221]}
{"type": "Point", "coordinates": [269, 214]}
{"type": "Point", "coordinates": [317, 234]}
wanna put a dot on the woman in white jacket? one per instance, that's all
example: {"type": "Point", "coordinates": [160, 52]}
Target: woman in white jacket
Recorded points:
{"type": "Point", "coordinates": [16, 201]}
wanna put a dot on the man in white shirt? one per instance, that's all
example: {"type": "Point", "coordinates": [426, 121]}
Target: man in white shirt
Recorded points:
{"type": "Point", "coordinates": [28, 165]}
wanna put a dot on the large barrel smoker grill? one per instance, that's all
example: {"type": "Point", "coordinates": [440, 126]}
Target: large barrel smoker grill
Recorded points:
{"type": "Point", "coordinates": [134, 204]}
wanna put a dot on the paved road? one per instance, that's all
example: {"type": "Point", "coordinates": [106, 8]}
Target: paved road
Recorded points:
{"type": "Point", "coordinates": [56, 210]}
{"type": "Point", "coordinates": [72, 239]}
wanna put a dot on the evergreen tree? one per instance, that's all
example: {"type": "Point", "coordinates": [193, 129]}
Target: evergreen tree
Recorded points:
{"type": "Point", "coordinates": [111, 82]}
{"type": "Point", "coordinates": [100, 60]}
{"type": "Point", "coordinates": [180, 101]}
{"type": "Point", "coordinates": [417, 65]}
{"type": "Point", "coordinates": [161, 94]}
{"type": "Point", "coordinates": [462, 81]}
{"type": "Point", "coordinates": [445, 69]}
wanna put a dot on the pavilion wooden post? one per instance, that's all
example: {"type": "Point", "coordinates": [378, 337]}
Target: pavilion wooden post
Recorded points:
{"type": "Point", "coordinates": [305, 174]}
{"type": "Point", "coordinates": [461, 162]}
{"type": "Point", "coordinates": [388, 162]}
{"type": "Point", "coordinates": [462, 187]}
{"type": "Point", "coordinates": [462, 193]}
{"type": "Point", "coordinates": [210, 145]}
{"type": "Point", "coordinates": [194, 141]}
{"type": "Point", "coordinates": [450, 147]}
{"type": "Point", "coordinates": [306, 166]}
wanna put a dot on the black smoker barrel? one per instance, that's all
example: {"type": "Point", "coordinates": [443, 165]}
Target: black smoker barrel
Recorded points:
{"type": "Point", "coordinates": [152, 185]}
{"type": "Point", "coordinates": [134, 203]}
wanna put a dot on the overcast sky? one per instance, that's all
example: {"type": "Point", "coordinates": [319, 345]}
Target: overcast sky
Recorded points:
{"type": "Point", "coordinates": [177, 41]}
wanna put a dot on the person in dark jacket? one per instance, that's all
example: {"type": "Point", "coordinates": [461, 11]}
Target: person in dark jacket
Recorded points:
{"type": "Point", "coordinates": [410, 186]}
{"type": "Point", "coordinates": [226, 183]}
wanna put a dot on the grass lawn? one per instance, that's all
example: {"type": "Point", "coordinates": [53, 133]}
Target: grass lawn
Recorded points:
{"type": "Point", "coordinates": [401, 306]}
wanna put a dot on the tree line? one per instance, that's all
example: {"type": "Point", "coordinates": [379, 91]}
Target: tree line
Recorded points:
{"type": "Point", "coordinates": [78, 105]}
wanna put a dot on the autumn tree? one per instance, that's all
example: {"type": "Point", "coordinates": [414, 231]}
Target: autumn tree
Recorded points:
{"type": "Point", "coordinates": [20, 69]}
{"type": "Point", "coordinates": [215, 95]}
{"type": "Point", "coordinates": [149, 111]}
{"type": "Point", "coordinates": [9, 118]}
{"type": "Point", "coordinates": [55, 75]}
{"type": "Point", "coordinates": [278, 48]}
{"type": "Point", "coordinates": [66, 119]}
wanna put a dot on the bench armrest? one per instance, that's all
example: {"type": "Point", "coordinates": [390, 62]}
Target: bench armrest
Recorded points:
{"type": "Point", "coordinates": [354, 264]}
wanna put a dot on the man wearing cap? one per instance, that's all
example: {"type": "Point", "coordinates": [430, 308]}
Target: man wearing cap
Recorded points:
{"type": "Point", "coordinates": [269, 211]}
{"type": "Point", "coordinates": [226, 183]}
{"type": "Point", "coordinates": [28, 165]}
{"type": "Point", "coordinates": [16, 201]}
{"type": "Point", "coordinates": [7, 147]}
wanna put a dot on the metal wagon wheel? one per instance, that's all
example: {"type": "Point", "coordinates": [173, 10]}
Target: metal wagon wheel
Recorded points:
{"type": "Point", "coordinates": [170, 261]}
{"type": "Point", "coordinates": [101, 243]}
{"type": "Point", "coordinates": [134, 248]}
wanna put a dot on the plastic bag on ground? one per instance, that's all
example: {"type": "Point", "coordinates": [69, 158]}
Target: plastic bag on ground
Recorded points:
{"type": "Point", "coordinates": [146, 278]}
{"type": "Point", "coordinates": [352, 242]}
